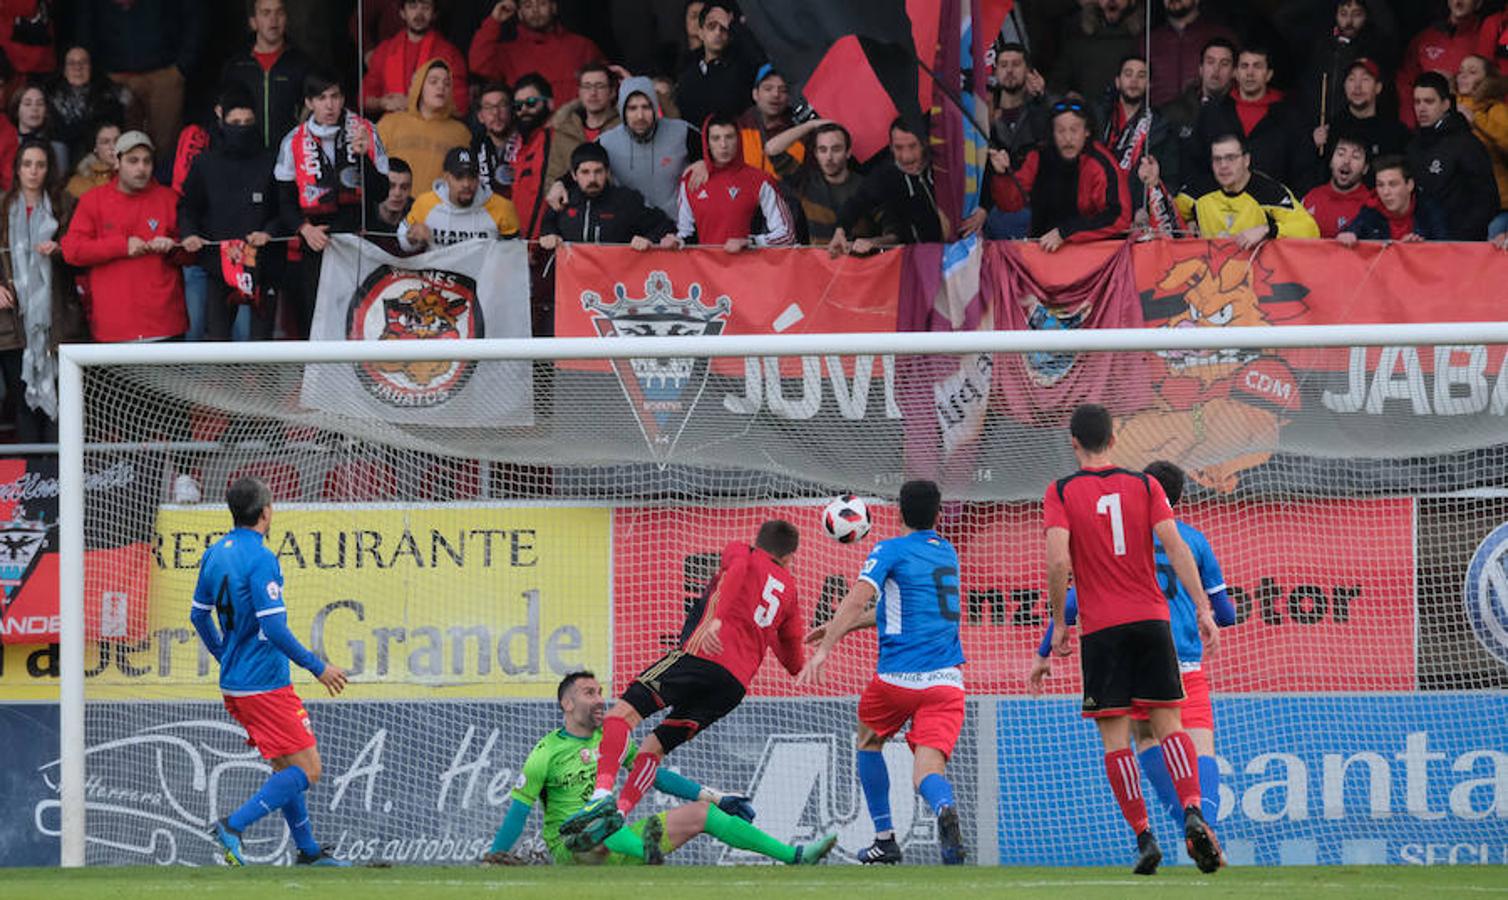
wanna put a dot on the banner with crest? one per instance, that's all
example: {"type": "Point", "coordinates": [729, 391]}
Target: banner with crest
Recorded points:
{"type": "Point", "coordinates": [475, 289]}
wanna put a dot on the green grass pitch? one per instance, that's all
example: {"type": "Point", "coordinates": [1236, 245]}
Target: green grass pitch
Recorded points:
{"type": "Point", "coordinates": [674, 883]}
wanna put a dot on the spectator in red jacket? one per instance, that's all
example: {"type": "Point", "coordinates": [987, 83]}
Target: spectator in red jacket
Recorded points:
{"type": "Point", "coordinates": [1336, 203]}
{"type": "Point", "coordinates": [532, 106]}
{"type": "Point", "coordinates": [1075, 189]}
{"type": "Point", "coordinates": [520, 37]}
{"type": "Point", "coordinates": [125, 234]}
{"type": "Point", "coordinates": [1438, 48]}
{"type": "Point", "coordinates": [723, 210]}
{"type": "Point", "coordinates": [385, 87]}
{"type": "Point", "coordinates": [1492, 41]}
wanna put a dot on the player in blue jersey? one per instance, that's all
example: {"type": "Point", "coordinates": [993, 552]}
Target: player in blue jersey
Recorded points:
{"type": "Point", "coordinates": [1198, 714]}
{"type": "Point", "coordinates": [241, 589]}
{"type": "Point", "coordinates": [915, 577]}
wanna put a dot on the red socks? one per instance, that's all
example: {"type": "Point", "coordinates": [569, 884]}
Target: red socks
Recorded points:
{"type": "Point", "coordinates": [640, 779]}
{"type": "Point", "coordinates": [1183, 765]}
{"type": "Point", "coordinates": [615, 732]}
{"type": "Point", "coordinates": [1125, 783]}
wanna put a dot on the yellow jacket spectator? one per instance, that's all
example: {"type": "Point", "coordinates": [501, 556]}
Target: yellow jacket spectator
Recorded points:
{"type": "Point", "coordinates": [1247, 206]}
{"type": "Point", "coordinates": [422, 134]}
{"type": "Point", "coordinates": [460, 208]}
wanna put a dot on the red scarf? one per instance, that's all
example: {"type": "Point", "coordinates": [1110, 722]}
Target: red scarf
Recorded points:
{"type": "Point", "coordinates": [238, 265]}
{"type": "Point", "coordinates": [319, 189]}
{"type": "Point", "coordinates": [191, 143]}
{"type": "Point", "coordinates": [397, 71]}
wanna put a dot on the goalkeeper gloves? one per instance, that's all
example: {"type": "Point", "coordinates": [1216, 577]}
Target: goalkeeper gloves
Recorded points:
{"type": "Point", "coordinates": [737, 805]}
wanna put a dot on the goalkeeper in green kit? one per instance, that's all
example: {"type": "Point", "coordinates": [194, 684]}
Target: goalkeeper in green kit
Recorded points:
{"type": "Point", "coordinates": [561, 772]}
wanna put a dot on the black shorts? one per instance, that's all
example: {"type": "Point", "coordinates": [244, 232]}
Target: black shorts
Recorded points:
{"type": "Point", "coordinates": [1128, 666]}
{"type": "Point", "coordinates": [697, 692]}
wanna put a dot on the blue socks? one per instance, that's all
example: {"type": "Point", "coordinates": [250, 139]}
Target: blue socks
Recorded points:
{"type": "Point", "coordinates": [1156, 770]}
{"type": "Point", "coordinates": [874, 777]}
{"type": "Point", "coordinates": [1209, 788]}
{"type": "Point", "coordinates": [276, 792]}
{"type": "Point", "coordinates": [296, 813]}
{"type": "Point", "coordinates": [937, 790]}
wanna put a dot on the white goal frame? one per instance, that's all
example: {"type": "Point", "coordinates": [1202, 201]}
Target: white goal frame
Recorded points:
{"type": "Point", "coordinates": [74, 358]}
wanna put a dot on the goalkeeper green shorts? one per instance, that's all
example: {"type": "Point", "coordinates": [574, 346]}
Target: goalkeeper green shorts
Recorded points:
{"type": "Point", "coordinates": [603, 857]}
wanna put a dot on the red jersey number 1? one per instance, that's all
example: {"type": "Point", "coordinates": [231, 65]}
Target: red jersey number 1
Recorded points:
{"type": "Point", "coordinates": [769, 602]}
{"type": "Point", "coordinates": [1110, 505]}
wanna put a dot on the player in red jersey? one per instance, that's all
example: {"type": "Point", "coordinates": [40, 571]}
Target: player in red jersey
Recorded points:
{"type": "Point", "coordinates": [1100, 521]}
{"type": "Point", "coordinates": [749, 606]}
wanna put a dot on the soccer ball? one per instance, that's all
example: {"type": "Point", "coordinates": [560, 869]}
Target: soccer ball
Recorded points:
{"type": "Point", "coordinates": [846, 519]}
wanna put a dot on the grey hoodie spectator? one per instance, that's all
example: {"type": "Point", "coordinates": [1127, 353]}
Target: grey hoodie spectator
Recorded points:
{"type": "Point", "coordinates": [648, 152]}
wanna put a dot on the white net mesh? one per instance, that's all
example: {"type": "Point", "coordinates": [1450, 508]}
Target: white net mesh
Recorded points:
{"type": "Point", "coordinates": [1354, 503]}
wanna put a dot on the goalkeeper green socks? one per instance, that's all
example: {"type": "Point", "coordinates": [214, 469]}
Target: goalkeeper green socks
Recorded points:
{"type": "Point", "coordinates": [626, 842]}
{"type": "Point", "coordinates": [735, 832]}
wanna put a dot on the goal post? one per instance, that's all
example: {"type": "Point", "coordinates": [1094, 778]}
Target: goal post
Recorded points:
{"type": "Point", "coordinates": [632, 467]}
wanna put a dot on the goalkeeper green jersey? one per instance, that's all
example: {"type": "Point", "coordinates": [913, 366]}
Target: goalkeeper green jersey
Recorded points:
{"type": "Point", "coordinates": [561, 773]}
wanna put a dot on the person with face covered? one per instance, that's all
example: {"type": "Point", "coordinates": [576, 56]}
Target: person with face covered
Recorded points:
{"type": "Point", "coordinates": [429, 127]}
{"type": "Point", "coordinates": [648, 151]}
{"type": "Point", "coordinates": [326, 169]}
{"type": "Point", "coordinates": [126, 235]}
{"type": "Point", "coordinates": [1336, 203]}
{"type": "Point", "coordinates": [724, 210]}
{"type": "Point", "coordinates": [1073, 185]}
{"type": "Point", "coordinates": [461, 207]}
{"type": "Point", "coordinates": [228, 214]}
{"type": "Point", "coordinates": [600, 212]}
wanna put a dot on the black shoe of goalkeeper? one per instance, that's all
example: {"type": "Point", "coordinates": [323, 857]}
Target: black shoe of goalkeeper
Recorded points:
{"type": "Point", "coordinates": [950, 836]}
{"type": "Point", "coordinates": [883, 852]}
{"type": "Point", "coordinates": [323, 858]}
{"type": "Point", "coordinates": [1148, 854]}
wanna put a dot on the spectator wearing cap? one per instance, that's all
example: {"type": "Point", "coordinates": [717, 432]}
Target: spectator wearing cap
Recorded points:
{"type": "Point", "coordinates": [327, 168]}
{"type": "Point", "coordinates": [1336, 203]}
{"type": "Point", "coordinates": [770, 115]}
{"type": "Point", "coordinates": [98, 167]}
{"type": "Point", "coordinates": [1480, 100]}
{"type": "Point", "coordinates": [1401, 213]}
{"type": "Point", "coordinates": [429, 127]}
{"type": "Point", "coordinates": [1449, 165]}
{"type": "Point", "coordinates": [1177, 48]}
{"type": "Point", "coordinates": [1271, 129]}
{"type": "Point", "coordinates": [1361, 115]}
{"type": "Point", "coordinates": [1440, 47]}
{"type": "Point", "coordinates": [718, 81]}
{"type": "Point", "coordinates": [228, 214]}
{"type": "Point", "coordinates": [1075, 189]}
{"type": "Point", "coordinates": [724, 210]}
{"type": "Point", "coordinates": [522, 36]}
{"type": "Point", "coordinates": [584, 119]}
{"type": "Point", "coordinates": [125, 235]}
{"type": "Point", "coordinates": [597, 211]}
{"type": "Point", "coordinates": [273, 70]}
{"type": "Point", "coordinates": [150, 46]}
{"type": "Point", "coordinates": [1103, 33]}
{"type": "Point", "coordinates": [388, 85]}
{"type": "Point", "coordinates": [461, 207]}
{"type": "Point", "coordinates": [1320, 91]}
{"type": "Point", "coordinates": [648, 151]}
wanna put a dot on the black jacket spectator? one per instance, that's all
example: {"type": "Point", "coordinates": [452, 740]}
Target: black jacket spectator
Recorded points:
{"type": "Point", "coordinates": [1021, 130]}
{"type": "Point", "coordinates": [229, 194]}
{"type": "Point", "coordinates": [143, 35]}
{"type": "Point", "coordinates": [612, 217]}
{"type": "Point", "coordinates": [1382, 133]}
{"type": "Point", "coordinates": [1426, 220]}
{"type": "Point", "coordinates": [906, 205]}
{"type": "Point", "coordinates": [1452, 168]}
{"type": "Point", "coordinates": [1280, 146]}
{"type": "Point", "coordinates": [1094, 47]}
{"type": "Point", "coordinates": [279, 91]}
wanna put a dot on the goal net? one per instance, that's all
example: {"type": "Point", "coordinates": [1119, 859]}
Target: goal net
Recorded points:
{"type": "Point", "coordinates": [1355, 499]}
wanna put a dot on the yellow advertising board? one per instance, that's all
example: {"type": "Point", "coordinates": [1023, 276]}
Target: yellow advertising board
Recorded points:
{"type": "Point", "coordinates": [415, 601]}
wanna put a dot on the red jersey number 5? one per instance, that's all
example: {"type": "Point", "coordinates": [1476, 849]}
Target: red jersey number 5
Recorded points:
{"type": "Point", "coordinates": [769, 602]}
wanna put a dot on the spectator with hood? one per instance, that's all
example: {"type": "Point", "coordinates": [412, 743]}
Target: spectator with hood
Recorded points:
{"type": "Point", "coordinates": [648, 152]}
{"type": "Point", "coordinates": [725, 209]}
{"type": "Point", "coordinates": [424, 132]}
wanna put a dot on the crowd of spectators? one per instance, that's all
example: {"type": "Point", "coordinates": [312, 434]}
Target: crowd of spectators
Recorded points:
{"type": "Point", "coordinates": [174, 169]}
